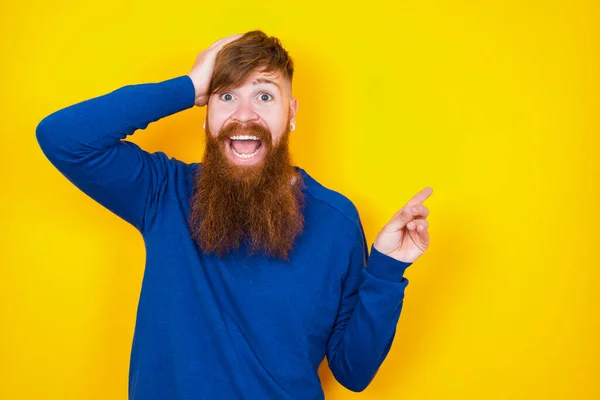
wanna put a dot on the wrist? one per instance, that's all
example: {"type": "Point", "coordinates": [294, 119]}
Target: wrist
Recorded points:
{"type": "Point", "coordinates": [196, 90]}
{"type": "Point", "coordinates": [384, 266]}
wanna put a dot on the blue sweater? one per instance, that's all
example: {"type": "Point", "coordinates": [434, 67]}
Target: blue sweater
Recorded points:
{"type": "Point", "coordinates": [237, 327]}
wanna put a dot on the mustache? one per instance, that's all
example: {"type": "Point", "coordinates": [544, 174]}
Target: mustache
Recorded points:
{"type": "Point", "coordinates": [254, 129]}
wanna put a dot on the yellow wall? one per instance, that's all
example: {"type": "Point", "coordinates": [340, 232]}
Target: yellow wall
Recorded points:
{"type": "Point", "coordinates": [494, 104]}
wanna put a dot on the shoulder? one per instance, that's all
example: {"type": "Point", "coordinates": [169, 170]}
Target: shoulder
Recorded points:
{"type": "Point", "coordinates": [333, 200]}
{"type": "Point", "coordinates": [174, 172]}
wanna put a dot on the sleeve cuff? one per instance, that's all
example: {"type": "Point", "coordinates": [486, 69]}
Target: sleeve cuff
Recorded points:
{"type": "Point", "coordinates": [385, 267]}
{"type": "Point", "coordinates": [181, 92]}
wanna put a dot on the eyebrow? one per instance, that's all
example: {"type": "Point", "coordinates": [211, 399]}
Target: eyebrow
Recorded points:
{"type": "Point", "coordinates": [267, 81]}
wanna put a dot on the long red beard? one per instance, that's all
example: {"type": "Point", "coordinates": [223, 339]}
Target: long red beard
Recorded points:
{"type": "Point", "coordinates": [259, 205]}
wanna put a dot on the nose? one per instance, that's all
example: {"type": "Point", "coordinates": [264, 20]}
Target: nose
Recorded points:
{"type": "Point", "coordinates": [245, 113]}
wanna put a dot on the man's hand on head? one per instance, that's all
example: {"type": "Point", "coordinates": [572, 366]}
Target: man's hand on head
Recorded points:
{"type": "Point", "coordinates": [202, 70]}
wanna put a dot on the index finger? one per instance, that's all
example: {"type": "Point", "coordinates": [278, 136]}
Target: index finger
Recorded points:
{"type": "Point", "coordinates": [421, 196]}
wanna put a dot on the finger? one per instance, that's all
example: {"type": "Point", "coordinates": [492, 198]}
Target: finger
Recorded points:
{"type": "Point", "coordinates": [421, 196]}
{"type": "Point", "coordinates": [420, 227]}
{"type": "Point", "coordinates": [418, 224]}
{"type": "Point", "coordinates": [423, 235]}
{"type": "Point", "coordinates": [419, 211]}
{"type": "Point", "coordinates": [231, 38]}
{"type": "Point", "coordinates": [399, 219]}
{"type": "Point", "coordinates": [223, 41]}
{"type": "Point", "coordinates": [408, 213]}
{"type": "Point", "coordinates": [215, 43]}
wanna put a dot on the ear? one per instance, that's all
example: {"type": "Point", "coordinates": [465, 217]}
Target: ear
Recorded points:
{"type": "Point", "coordinates": [293, 109]}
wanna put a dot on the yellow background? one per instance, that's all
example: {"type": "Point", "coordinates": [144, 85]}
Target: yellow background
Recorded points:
{"type": "Point", "coordinates": [494, 104]}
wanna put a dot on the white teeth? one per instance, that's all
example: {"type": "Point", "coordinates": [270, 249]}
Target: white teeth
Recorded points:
{"type": "Point", "coordinates": [250, 155]}
{"type": "Point", "coordinates": [244, 137]}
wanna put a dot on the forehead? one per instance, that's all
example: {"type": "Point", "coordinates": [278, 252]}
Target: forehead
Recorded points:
{"type": "Point", "coordinates": [260, 78]}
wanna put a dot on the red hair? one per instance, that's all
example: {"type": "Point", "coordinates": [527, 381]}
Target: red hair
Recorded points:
{"type": "Point", "coordinates": [239, 59]}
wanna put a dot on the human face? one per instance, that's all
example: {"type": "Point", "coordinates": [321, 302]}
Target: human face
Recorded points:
{"type": "Point", "coordinates": [264, 100]}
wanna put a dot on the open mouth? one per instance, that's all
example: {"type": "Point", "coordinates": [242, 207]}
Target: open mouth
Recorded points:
{"type": "Point", "coordinates": [245, 146]}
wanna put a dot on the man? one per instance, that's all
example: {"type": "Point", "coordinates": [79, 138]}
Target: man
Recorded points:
{"type": "Point", "coordinates": [255, 272]}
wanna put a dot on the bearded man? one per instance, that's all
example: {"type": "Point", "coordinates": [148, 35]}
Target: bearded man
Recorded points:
{"type": "Point", "coordinates": [255, 272]}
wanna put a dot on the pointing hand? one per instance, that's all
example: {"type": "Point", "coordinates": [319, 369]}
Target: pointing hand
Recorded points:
{"type": "Point", "coordinates": [405, 236]}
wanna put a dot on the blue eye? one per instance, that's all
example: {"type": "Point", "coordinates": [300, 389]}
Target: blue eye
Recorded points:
{"type": "Point", "coordinates": [269, 97]}
{"type": "Point", "coordinates": [264, 94]}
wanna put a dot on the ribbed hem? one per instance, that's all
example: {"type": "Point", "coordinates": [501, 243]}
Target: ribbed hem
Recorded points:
{"type": "Point", "coordinates": [385, 267]}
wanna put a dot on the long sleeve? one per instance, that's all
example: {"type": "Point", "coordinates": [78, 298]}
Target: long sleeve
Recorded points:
{"type": "Point", "coordinates": [84, 142]}
{"type": "Point", "coordinates": [372, 298]}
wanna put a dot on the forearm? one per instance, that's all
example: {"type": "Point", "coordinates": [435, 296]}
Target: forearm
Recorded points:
{"type": "Point", "coordinates": [358, 350]}
{"type": "Point", "coordinates": [83, 142]}
{"type": "Point", "coordinates": [101, 122]}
